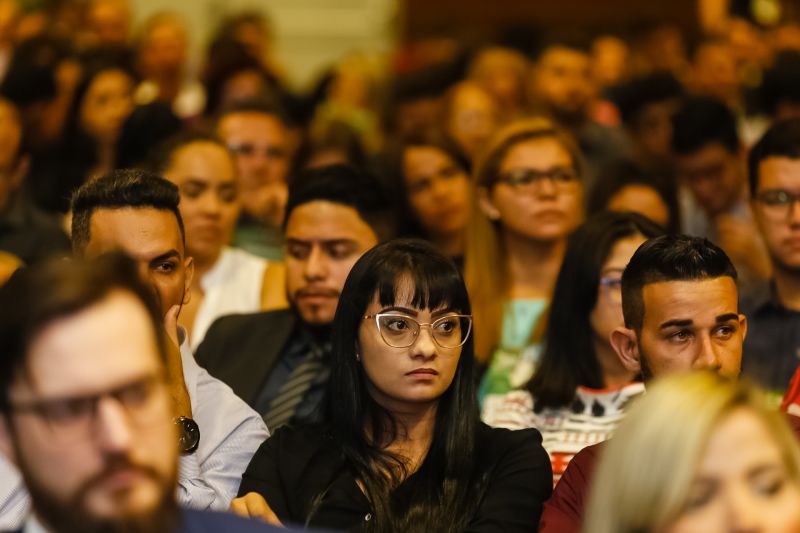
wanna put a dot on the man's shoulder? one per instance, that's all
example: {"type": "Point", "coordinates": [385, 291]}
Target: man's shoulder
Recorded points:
{"type": "Point", "coordinates": [236, 331]}
{"type": "Point", "coordinates": [248, 320]}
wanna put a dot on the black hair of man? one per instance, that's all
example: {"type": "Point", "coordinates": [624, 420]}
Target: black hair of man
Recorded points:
{"type": "Point", "coordinates": [121, 189]}
{"type": "Point", "coordinates": [782, 139]}
{"type": "Point", "coordinates": [701, 121]}
{"type": "Point", "coordinates": [632, 97]}
{"type": "Point", "coordinates": [669, 258]}
{"type": "Point", "coordinates": [37, 296]}
{"type": "Point", "coordinates": [781, 82]}
{"type": "Point", "coordinates": [160, 159]}
{"type": "Point", "coordinates": [262, 106]}
{"type": "Point", "coordinates": [348, 186]}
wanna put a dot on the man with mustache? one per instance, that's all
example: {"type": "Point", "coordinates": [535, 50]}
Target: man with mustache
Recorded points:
{"type": "Point", "coordinates": [85, 407]}
{"type": "Point", "coordinates": [278, 361]}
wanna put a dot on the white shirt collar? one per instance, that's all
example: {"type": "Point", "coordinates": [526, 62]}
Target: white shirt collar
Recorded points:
{"type": "Point", "coordinates": [33, 525]}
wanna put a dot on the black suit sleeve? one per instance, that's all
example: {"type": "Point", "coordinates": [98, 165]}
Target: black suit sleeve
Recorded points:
{"type": "Point", "coordinates": [519, 485]}
{"type": "Point", "coordinates": [212, 347]}
{"type": "Point", "coordinates": [264, 477]}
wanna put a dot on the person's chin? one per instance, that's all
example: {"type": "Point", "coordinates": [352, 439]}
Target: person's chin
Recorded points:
{"type": "Point", "coordinates": [112, 501]}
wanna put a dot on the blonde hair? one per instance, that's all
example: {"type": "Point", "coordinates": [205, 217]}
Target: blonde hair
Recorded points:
{"type": "Point", "coordinates": [646, 470]}
{"type": "Point", "coordinates": [485, 262]}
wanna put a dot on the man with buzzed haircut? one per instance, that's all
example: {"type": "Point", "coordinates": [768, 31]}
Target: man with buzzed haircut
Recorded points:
{"type": "Point", "coordinates": [278, 361]}
{"type": "Point", "coordinates": [681, 310]}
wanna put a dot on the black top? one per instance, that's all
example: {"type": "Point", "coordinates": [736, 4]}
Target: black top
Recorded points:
{"type": "Point", "coordinates": [295, 466]}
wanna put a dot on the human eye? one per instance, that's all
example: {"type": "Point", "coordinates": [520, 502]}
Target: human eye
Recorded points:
{"type": "Point", "coordinates": [397, 324]}
{"type": "Point", "coordinates": [192, 190]}
{"type": "Point", "coordinates": [776, 197]}
{"type": "Point", "coordinates": [725, 331]}
{"type": "Point", "coordinates": [298, 250]}
{"type": "Point", "coordinates": [520, 177]}
{"type": "Point", "coordinates": [68, 411]}
{"type": "Point", "coordinates": [419, 186]}
{"type": "Point", "coordinates": [135, 394]}
{"type": "Point", "coordinates": [562, 175]}
{"type": "Point", "coordinates": [227, 194]}
{"type": "Point", "coordinates": [165, 267]}
{"type": "Point", "coordinates": [681, 335]}
{"type": "Point", "coordinates": [447, 325]}
{"type": "Point", "coordinates": [339, 250]}
{"type": "Point", "coordinates": [450, 171]}
{"type": "Point", "coordinates": [700, 495]}
{"type": "Point", "coordinates": [768, 484]}
{"type": "Point", "coordinates": [245, 149]}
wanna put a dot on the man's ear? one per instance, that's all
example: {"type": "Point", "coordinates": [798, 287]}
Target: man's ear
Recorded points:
{"type": "Point", "coordinates": [6, 444]}
{"type": "Point", "coordinates": [743, 325]}
{"type": "Point", "coordinates": [626, 344]}
{"type": "Point", "coordinates": [19, 172]}
{"type": "Point", "coordinates": [485, 204]}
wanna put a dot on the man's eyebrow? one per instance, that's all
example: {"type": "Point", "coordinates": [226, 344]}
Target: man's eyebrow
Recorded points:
{"type": "Point", "coordinates": [166, 255]}
{"type": "Point", "coordinates": [679, 323]}
{"type": "Point", "coordinates": [191, 180]}
{"type": "Point", "coordinates": [727, 317]}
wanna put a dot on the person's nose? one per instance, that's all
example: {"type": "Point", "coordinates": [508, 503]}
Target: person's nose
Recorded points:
{"type": "Point", "coordinates": [112, 426]}
{"type": "Point", "coordinates": [794, 213]}
{"type": "Point", "coordinates": [742, 510]}
{"type": "Point", "coordinates": [424, 346]}
{"type": "Point", "coordinates": [709, 357]}
{"type": "Point", "coordinates": [546, 187]}
{"type": "Point", "coordinates": [211, 205]}
{"type": "Point", "coordinates": [316, 266]}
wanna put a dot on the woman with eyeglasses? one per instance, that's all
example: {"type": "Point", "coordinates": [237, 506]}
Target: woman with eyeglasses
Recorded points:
{"type": "Point", "coordinates": [404, 449]}
{"type": "Point", "coordinates": [580, 390]}
{"type": "Point", "coordinates": [528, 197]}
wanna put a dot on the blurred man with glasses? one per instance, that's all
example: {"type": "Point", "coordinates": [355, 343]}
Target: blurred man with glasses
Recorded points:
{"type": "Point", "coordinates": [85, 409]}
{"type": "Point", "coordinates": [772, 349]}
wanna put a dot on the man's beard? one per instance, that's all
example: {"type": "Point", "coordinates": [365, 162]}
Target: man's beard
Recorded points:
{"type": "Point", "coordinates": [644, 366]}
{"type": "Point", "coordinates": [72, 516]}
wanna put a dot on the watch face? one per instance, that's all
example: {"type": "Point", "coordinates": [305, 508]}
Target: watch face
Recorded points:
{"type": "Point", "coordinates": [188, 434]}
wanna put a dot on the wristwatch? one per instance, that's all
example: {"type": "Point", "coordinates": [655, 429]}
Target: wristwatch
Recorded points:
{"type": "Point", "coordinates": [188, 434]}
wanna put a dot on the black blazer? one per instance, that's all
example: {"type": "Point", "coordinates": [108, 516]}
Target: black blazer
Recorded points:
{"type": "Point", "coordinates": [298, 466]}
{"type": "Point", "coordinates": [242, 350]}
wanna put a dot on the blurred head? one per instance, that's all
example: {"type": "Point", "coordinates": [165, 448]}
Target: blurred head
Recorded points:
{"type": "Point", "coordinates": [258, 136]}
{"type": "Point", "coordinates": [471, 117]}
{"type": "Point", "coordinates": [84, 394]}
{"type": "Point", "coordinates": [375, 362]}
{"type": "Point", "coordinates": [109, 22]}
{"type": "Point", "coordinates": [714, 71]}
{"type": "Point", "coordinates": [11, 165]}
{"type": "Point", "coordinates": [625, 185]}
{"type": "Point", "coordinates": [436, 184]}
{"type": "Point", "coordinates": [706, 147]}
{"type": "Point", "coordinates": [774, 171]}
{"type": "Point", "coordinates": [731, 464]}
{"type": "Point", "coordinates": [104, 101]}
{"type": "Point", "coordinates": [334, 215]}
{"type": "Point", "coordinates": [205, 174]}
{"type": "Point", "coordinates": [501, 72]}
{"type": "Point", "coordinates": [587, 301]}
{"type": "Point", "coordinates": [780, 90]}
{"type": "Point", "coordinates": [136, 212]}
{"type": "Point", "coordinates": [681, 309]}
{"type": "Point", "coordinates": [233, 75]}
{"type": "Point", "coordinates": [562, 82]}
{"type": "Point", "coordinates": [610, 60]}
{"type": "Point", "coordinates": [647, 104]}
{"type": "Point", "coordinates": [162, 46]}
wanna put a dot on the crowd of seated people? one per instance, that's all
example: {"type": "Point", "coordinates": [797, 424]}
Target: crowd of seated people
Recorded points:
{"type": "Point", "coordinates": [549, 286]}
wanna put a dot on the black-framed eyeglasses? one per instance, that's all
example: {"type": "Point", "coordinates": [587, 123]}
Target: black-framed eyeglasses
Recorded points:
{"type": "Point", "coordinates": [72, 418]}
{"type": "Point", "coordinates": [778, 201]}
{"type": "Point", "coordinates": [526, 177]}
{"type": "Point", "coordinates": [401, 331]}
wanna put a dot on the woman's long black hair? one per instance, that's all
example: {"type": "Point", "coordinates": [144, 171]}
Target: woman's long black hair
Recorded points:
{"type": "Point", "coordinates": [443, 493]}
{"type": "Point", "coordinates": [569, 359]}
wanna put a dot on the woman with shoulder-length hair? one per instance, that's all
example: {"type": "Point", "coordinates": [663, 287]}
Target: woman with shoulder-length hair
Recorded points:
{"type": "Point", "coordinates": [528, 197]}
{"type": "Point", "coordinates": [698, 453]}
{"type": "Point", "coordinates": [580, 390]}
{"type": "Point", "coordinates": [404, 449]}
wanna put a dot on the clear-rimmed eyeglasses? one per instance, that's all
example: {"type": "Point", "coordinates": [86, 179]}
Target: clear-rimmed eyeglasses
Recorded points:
{"type": "Point", "coordinates": [401, 331]}
{"type": "Point", "coordinates": [525, 178]}
{"type": "Point", "coordinates": [73, 418]}
{"type": "Point", "coordinates": [777, 203]}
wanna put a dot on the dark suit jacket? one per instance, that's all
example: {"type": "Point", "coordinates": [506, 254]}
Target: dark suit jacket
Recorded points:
{"type": "Point", "coordinates": [242, 350]}
{"type": "Point", "coordinates": [193, 521]}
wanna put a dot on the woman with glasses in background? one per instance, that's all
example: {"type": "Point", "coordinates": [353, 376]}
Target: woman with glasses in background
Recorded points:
{"type": "Point", "coordinates": [404, 449]}
{"type": "Point", "coordinates": [528, 197]}
{"type": "Point", "coordinates": [580, 390]}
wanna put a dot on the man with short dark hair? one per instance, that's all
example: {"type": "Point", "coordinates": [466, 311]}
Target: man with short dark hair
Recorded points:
{"type": "Point", "coordinates": [85, 409]}
{"type": "Point", "coordinates": [258, 134]}
{"type": "Point", "coordinates": [680, 304]}
{"type": "Point", "coordinates": [277, 361]}
{"type": "Point", "coordinates": [714, 199]}
{"type": "Point", "coordinates": [772, 350]}
{"type": "Point", "coordinates": [137, 212]}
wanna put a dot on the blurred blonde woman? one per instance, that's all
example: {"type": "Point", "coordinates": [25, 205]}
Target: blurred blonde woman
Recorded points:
{"type": "Point", "coordinates": [528, 198]}
{"type": "Point", "coordinates": [698, 453]}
